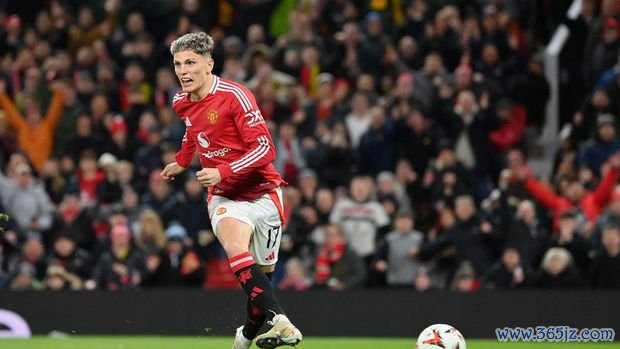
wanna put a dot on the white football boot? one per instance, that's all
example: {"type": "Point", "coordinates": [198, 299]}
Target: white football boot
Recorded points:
{"type": "Point", "coordinates": [240, 341]}
{"type": "Point", "coordinates": [282, 333]}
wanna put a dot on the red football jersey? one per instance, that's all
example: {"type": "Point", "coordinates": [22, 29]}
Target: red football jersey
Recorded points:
{"type": "Point", "coordinates": [228, 131]}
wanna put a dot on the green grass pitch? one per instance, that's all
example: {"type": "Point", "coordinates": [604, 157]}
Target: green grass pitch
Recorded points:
{"type": "Point", "coordinates": [114, 342]}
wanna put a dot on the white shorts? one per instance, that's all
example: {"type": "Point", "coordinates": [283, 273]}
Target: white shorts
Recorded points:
{"type": "Point", "coordinates": [262, 215]}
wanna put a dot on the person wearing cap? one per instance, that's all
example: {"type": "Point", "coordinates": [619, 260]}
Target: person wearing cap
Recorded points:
{"type": "Point", "coordinates": [35, 131]}
{"type": "Point", "coordinates": [123, 146]}
{"type": "Point", "coordinates": [604, 143]}
{"type": "Point", "coordinates": [177, 265]}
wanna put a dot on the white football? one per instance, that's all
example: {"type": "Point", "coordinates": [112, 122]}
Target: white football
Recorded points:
{"type": "Point", "coordinates": [440, 336]}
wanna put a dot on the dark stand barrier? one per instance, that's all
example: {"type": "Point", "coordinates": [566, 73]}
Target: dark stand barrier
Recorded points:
{"type": "Point", "coordinates": [401, 313]}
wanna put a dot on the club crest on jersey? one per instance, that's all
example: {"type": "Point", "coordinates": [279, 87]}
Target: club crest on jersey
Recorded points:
{"type": "Point", "coordinates": [203, 140]}
{"type": "Point", "coordinates": [212, 116]}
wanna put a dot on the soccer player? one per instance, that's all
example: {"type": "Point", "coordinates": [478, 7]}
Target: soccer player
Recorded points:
{"type": "Point", "coordinates": [223, 123]}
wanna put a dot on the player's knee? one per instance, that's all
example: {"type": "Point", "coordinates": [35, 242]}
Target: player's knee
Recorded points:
{"type": "Point", "coordinates": [234, 236]}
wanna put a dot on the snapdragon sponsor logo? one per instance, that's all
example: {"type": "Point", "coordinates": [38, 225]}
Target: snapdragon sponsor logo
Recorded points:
{"type": "Point", "coordinates": [216, 153]}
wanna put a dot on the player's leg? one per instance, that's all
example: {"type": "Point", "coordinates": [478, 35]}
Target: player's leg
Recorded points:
{"type": "Point", "coordinates": [235, 235]}
{"type": "Point", "coordinates": [254, 321]}
{"type": "Point", "coordinates": [264, 247]}
{"type": "Point", "coordinates": [255, 317]}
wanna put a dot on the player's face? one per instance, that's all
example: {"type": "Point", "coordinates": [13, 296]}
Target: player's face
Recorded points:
{"type": "Point", "coordinates": [193, 70]}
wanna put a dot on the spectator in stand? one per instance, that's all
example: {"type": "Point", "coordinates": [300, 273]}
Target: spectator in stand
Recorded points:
{"type": "Point", "coordinates": [194, 204]}
{"type": "Point", "coordinates": [570, 236]}
{"type": "Point", "coordinates": [150, 235]}
{"type": "Point", "coordinates": [89, 177]}
{"type": "Point", "coordinates": [377, 149]}
{"type": "Point", "coordinates": [175, 266]}
{"type": "Point", "coordinates": [590, 202]}
{"type": "Point", "coordinates": [290, 160]}
{"type": "Point", "coordinates": [397, 257]}
{"type": "Point", "coordinates": [75, 220]}
{"type": "Point", "coordinates": [605, 267]}
{"type": "Point", "coordinates": [110, 190]}
{"type": "Point", "coordinates": [610, 217]}
{"type": "Point", "coordinates": [602, 144]}
{"type": "Point", "coordinates": [122, 145]}
{"type": "Point", "coordinates": [35, 132]}
{"type": "Point", "coordinates": [295, 278]}
{"type": "Point", "coordinates": [557, 271]}
{"type": "Point", "coordinates": [162, 198]}
{"type": "Point", "coordinates": [527, 235]}
{"type": "Point", "coordinates": [122, 266]}
{"type": "Point", "coordinates": [31, 260]}
{"type": "Point", "coordinates": [465, 279]}
{"type": "Point", "coordinates": [472, 236]}
{"type": "Point", "coordinates": [509, 272]}
{"type": "Point", "coordinates": [468, 126]}
{"type": "Point", "coordinates": [388, 188]}
{"type": "Point", "coordinates": [337, 267]}
{"type": "Point", "coordinates": [58, 279]}
{"type": "Point", "coordinates": [25, 279]}
{"type": "Point", "coordinates": [358, 120]}
{"type": "Point", "coordinates": [25, 200]}
{"type": "Point", "coordinates": [509, 134]}
{"type": "Point", "coordinates": [585, 120]}
{"type": "Point", "coordinates": [361, 217]}
{"type": "Point", "coordinates": [605, 51]}
{"type": "Point", "coordinates": [66, 254]}
{"type": "Point", "coordinates": [416, 141]}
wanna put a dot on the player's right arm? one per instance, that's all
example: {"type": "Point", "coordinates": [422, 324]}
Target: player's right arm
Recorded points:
{"type": "Point", "coordinates": [171, 171]}
{"type": "Point", "coordinates": [185, 156]}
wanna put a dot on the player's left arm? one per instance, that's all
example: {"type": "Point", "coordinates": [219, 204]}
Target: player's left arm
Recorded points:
{"type": "Point", "coordinates": [254, 133]}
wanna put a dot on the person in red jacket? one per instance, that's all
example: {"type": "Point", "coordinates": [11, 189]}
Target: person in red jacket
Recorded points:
{"type": "Point", "coordinates": [574, 195]}
{"type": "Point", "coordinates": [225, 126]}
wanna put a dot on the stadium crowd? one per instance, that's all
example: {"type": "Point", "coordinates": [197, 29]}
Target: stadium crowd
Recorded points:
{"type": "Point", "coordinates": [403, 128]}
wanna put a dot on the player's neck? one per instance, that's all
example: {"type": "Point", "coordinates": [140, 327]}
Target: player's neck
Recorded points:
{"type": "Point", "coordinates": [204, 90]}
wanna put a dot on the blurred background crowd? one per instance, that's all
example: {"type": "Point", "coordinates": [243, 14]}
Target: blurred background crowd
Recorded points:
{"type": "Point", "coordinates": [404, 128]}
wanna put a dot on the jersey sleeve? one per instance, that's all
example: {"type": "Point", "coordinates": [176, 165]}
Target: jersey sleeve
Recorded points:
{"type": "Point", "coordinates": [185, 156]}
{"type": "Point", "coordinates": [253, 132]}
